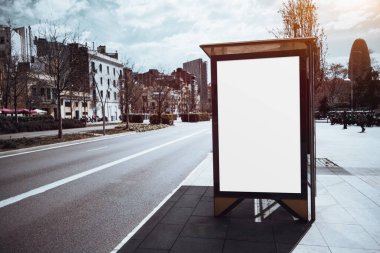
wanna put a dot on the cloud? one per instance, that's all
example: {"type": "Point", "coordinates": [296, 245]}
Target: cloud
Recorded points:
{"type": "Point", "coordinates": [169, 32]}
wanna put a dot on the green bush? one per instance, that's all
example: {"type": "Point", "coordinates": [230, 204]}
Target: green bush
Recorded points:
{"type": "Point", "coordinates": [195, 117]}
{"type": "Point", "coordinates": [31, 124]}
{"type": "Point", "coordinates": [71, 123]}
{"type": "Point", "coordinates": [8, 144]}
{"type": "Point", "coordinates": [133, 118]}
{"type": "Point", "coordinates": [165, 119]}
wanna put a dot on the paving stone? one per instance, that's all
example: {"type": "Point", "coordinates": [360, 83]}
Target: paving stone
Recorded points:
{"type": "Point", "coordinates": [348, 250]}
{"type": "Point", "coordinates": [188, 200]}
{"type": "Point", "coordinates": [196, 190]}
{"type": "Point", "coordinates": [151, 251]}
{"type": "Point", "coordinates": [177, 215]}
{"type": "Point", "coordinates": [248, 230]}
{"type": "Point", "coordinates": [206, 227]}
{"type": "Point", "coordinates": [209, 192]}
{"type": "Point", "coordinates": [289, 232]}
{"type": "Point", "coordinates": [163, 236]}
{"type": "Point", "coordinates": [311, 249]}
{"type": "Point", "coordinates": [347, 236]}
{"type": "Point", "coordinates": [130, 246]}
{"type": "Point", "coordinates": [197, 245]}
{"type": "Point", "coordinates": [248, 247]}
{"type": "Point", "coordinates": [204, 208]}
{"type": "Point", "coordinates": [178, 194]}
{"type": "Point", "coordinates": [153, 221]}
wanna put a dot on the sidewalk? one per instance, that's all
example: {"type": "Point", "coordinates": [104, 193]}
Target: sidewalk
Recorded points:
{"type": "Point", "coordinates": [347, 208]}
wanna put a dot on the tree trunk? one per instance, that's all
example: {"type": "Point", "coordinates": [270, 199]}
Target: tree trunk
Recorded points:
{"type": "Point", "coordinates": [127, 117]}
{"type": "Point", "coordinates": [15, 104]}
{"type": "Point", "coordinates": [59, 115]}
{"type": "Point", "coordinates": [104, 119]}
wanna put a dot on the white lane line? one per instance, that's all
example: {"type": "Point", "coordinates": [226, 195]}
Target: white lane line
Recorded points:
{"type": "Point", "coordinates": [66, 145]}
{"type": "Point", "coordinates": [94, 149]}
{"type": "Point", "coordinates": [66, 180]}
{"type": "Point", "coordinates": [134, 231]}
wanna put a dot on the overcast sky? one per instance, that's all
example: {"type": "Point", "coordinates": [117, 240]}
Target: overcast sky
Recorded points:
{"type": "Point", "coordinates": [165, 33]}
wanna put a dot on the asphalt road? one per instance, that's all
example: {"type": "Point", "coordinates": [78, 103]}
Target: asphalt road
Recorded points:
{"type": "Point", "coordinates": [130, 176]}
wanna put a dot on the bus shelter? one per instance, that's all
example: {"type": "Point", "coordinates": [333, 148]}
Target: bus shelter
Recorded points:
{"type": "Point", "coordinates": [263, 123]}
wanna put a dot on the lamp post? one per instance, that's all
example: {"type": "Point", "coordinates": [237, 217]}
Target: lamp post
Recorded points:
{"type": "Point", "coordinates": [352, 93]}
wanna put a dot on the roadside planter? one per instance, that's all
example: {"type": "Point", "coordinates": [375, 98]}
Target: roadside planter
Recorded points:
{"type": "Point", "coordinates": [272, 154]}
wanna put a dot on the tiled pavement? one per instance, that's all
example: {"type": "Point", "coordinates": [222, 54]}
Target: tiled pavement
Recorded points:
{"type": "Point", "coordinates": [348, 219]}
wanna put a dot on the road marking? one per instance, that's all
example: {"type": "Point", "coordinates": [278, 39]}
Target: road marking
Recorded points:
{"type": "Point", "coordinates": [94, 149]}
{"type": "Point", "coordinates": [66, 180]}
{"type": "Point", "coordinates": [67, 145]}
{"type": "Point", "coordinates": [134, 231]}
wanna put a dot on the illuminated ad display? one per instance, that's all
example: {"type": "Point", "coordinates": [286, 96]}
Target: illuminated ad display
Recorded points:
{"type": "Point", "coordinates": [258, 127]}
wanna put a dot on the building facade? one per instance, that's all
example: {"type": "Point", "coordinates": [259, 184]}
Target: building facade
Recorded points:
{"type": "Point", "coordinates": [198, 68]}
{"type": "Point", "coordinates": [105, 73]}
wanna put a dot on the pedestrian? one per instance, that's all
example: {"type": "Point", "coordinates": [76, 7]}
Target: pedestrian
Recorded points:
{"type": "Point", "coordinates": [362, 121]}
{"type": "Point", "coordinates": [344, 118]}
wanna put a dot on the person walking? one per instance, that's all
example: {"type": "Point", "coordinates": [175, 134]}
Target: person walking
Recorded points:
{"type": "Point", "coordinates": [362, 121]}
{"type": "Point", "coordinates": [344, 118]}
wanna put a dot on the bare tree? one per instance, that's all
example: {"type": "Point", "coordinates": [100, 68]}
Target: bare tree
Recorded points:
{"type": "Point", "coordinates": [102, 98]}
{"type": "Point", "coordinates": [300, 19]}
{"type": "Point", "coordinates": [130, 91]}
{"type": "Point", "coordinates": [335, 86]}
{"type": "Point", "coordinates": [161, 91]}
{"type": "Point", "coordinates": [18, 80]}
{"type": "Point", "coordinates": [57, 57]}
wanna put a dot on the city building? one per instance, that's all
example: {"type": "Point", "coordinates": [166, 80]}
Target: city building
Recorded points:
{"type": "Point", "coordinates": [105, 74]}
{"type": "Point", "coordinates": [198, 68]}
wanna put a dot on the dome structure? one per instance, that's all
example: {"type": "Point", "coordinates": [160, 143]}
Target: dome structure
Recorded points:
{"type": "Point", "coordinates": [359, 64]}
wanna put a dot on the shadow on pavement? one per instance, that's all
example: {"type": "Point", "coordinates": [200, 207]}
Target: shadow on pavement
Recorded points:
{"type": "Point", "coordinates": [185, 223]}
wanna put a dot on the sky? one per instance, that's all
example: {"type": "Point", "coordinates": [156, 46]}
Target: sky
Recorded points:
{"type": "Point", "coordinates": [163, 34]}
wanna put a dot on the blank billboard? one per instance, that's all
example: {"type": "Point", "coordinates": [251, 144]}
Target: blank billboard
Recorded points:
{"type": "Point", "coordinates": [259, 125]}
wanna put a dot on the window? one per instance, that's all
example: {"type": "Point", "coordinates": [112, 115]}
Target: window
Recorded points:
{"type": "Point", "coordinates": [94, 94]}
{"type": "Point", "coordinates": [108, 83]}
{"type": "Point", "coordinates": [84, 104]}
{"type": "Point", "coordinates": [114, 71]}
{"type": "Point", "coordinates": [108, 95]}
{"type": "Point", "coordinates": [2, 40]}
{"type": "Point", "coordinates": [42, 92]}
{"type": "Point", "coordinates": [101, 94]}
{"type": "Point", "coordinates": [76, 104]}
{"type": "Point", "coordinates": [48, 93]}
{"type": "Point", "coordinates": [67, 104]}
{"type": "Point", "coordinates": [34, 92]}
{"type": "Point", "coordinates": [120, 74]}
{"type": "Point", "coordinates": [93, 66]}
{"type": "Point", "coordinates": [2, 53]}
{"type": "Point", "coordinates": [108, 69]}
{"type": "Point", "coordinates": [100, 68]}
{"type": "Point", "coordinates": [114, 96]}
{"type": "Point", "coordinates": [101, 80]}
{"type": "Point", "coordinates": [114, 83]}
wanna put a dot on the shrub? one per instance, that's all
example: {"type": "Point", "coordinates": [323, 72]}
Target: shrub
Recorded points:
{"type": "Point", "coordinates": [71, 123]}
{"type": "Point", "coordinates": [165, 119]}
{"type": "Point", "coordinates": [133, 118]}
{"type": "Point", "coordinates": [195, 117]}
{"type": "Point", "coordinates": [31, 124]}
{"type": "Point", "coordinates": [8, 144]}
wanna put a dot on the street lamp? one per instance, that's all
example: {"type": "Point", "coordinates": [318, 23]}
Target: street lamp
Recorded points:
{"type": "Point", "coordinates": [352, 93]}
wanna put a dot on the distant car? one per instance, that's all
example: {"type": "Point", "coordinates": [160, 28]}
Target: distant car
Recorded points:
{"type": "Point", "coordinates": [101, 119]}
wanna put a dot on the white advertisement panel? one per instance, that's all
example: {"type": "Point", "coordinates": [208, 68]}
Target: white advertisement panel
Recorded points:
{"type": "Point", "coordinates": [259, 125]}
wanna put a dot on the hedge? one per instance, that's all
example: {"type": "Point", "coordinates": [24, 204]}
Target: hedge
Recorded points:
{"type": "Point", "coordinates": [133, 118]}
{"type": "Point", "coordinates": [195, 117]}
{"type": "Point", "coordinates": [165, 119]}
{"type": "Point", "coordinates": [32, 124]}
